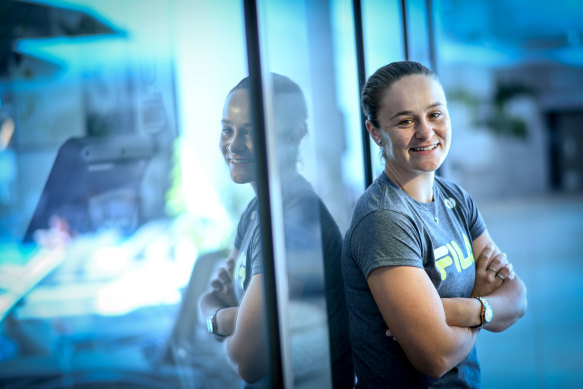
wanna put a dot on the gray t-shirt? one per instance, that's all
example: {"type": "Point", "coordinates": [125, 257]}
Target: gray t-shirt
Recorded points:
{"type": "Point", "coordinates": [313, 246]}
{"type": "Point", "coordinates": [391, 228]}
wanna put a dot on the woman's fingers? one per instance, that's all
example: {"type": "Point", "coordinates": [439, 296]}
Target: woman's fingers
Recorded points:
{"type": "Point", "coordinates": [497, 263]}
{"type": "Point", "coordinates": [230, 265]}
{"type": "Point", "coordinates": [217, 285]}
{"type": "Point", "coordinates": [484, 257]}
{"type": "Point", "coordinates": [506, 273]}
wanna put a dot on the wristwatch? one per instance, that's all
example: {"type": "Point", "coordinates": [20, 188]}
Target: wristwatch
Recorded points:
{"type": "Point", "coordinates": [211, 324]}
{"type": "Point", "coordinates": [486, 314]}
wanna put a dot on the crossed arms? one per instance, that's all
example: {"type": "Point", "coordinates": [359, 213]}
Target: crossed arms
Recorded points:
{"type": "Point", "coordinates": [435, 332]}
{"type": "Point", "coordinates": [242, 326]}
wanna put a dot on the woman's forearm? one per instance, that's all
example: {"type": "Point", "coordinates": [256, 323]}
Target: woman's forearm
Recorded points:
{"type": "Point", "coordinates": [508, 303]}
{"type": "Point", "coordinates": [462, 312]}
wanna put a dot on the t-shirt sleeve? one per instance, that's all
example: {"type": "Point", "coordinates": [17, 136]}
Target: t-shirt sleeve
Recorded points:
{"type": "Point", "coordinates": [386, 238]}
{"type": "Point", "coordinates": [239, 236]}
{"type": "Point", "coordinates": [476, 222]}
{"type": "Point", "coordinates": [255, 252]}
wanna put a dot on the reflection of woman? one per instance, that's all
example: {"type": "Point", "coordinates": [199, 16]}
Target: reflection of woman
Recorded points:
{"type": "Point", "coordinates": [408, 256]}
{"type": "Point", "coordinates": [234, 304]}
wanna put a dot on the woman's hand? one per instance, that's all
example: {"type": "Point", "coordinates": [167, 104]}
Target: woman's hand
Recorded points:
{"type": "Point", "coordinates": [492, 269]}
{"type": "Point", "coordinates": [222, 284]}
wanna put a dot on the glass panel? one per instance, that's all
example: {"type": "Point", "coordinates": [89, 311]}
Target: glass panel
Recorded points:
{"type": "Point", "coordinates": [309, 132]}
{"type": "Point", "coordinates": [383, 43]}
{"type": "Point", "coordinates": [116, 206]}
{"type": "Point", "coordinates": [417, 25]}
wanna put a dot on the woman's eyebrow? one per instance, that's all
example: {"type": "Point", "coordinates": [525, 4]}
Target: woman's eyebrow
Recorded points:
{"type": "Point", "coordinates": [400, 113]}
{"type": "Point", "coordinates": [244, 125]}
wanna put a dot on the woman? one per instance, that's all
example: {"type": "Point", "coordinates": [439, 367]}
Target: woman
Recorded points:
{"type": "Point", "coordinates": [234, 303]}
{"type": "Point", "coordinates": [408, 256]}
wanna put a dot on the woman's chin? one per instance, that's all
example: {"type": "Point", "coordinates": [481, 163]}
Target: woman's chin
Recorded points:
{"type": "Point", "coordinates": [242, 178]}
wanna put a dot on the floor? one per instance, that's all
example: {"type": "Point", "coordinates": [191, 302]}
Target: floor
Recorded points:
{"type": "Point", "coordinates": [543, 237]}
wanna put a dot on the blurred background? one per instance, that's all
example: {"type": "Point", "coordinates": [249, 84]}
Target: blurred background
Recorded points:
{"type": "Point", "coordinates": [116, 205]}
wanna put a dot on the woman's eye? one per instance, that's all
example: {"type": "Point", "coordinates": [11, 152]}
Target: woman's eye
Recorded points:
{"type": "Point", "coordinates": [435, 115]}
{"type": "Point", "coordinates": [405, 122]}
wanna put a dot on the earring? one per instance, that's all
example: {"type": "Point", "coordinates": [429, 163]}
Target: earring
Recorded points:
{"type": "Point", "coordinates": [379, 142]}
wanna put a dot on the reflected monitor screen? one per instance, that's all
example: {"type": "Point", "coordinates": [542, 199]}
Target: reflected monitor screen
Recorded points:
{"type": "Point", "coordinates": [94, 183]}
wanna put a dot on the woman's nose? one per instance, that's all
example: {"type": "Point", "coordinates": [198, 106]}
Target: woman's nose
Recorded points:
{"type": "Point", "coordinates": [237, 143]}
{"type": "Point", "coordinates": [424, 129]}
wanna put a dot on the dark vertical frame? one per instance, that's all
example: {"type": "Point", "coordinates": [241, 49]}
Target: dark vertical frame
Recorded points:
{"type": "Point", "coordinates": [431, 35]}
{"type": "Point", "coordinates": [260, 144]}
{"type": "Point", "coordinates": [361, 69]}
{"type": "Point", "coordinates": [405, 29]}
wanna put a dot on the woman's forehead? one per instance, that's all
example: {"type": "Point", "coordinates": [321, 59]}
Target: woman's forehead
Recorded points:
{"type": "Point", "coordinates": [412, 92]}
{"type": "Point", "coordinates": [237, 105]}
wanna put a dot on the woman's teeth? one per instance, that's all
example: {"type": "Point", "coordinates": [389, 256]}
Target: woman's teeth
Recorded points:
{"type": "Point", "coordinates": [240, 161]}
{"type": "Point", "coordinates": [428, 148]}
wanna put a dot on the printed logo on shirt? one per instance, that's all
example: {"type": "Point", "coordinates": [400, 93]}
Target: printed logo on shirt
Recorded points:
{"type": "Point", "coordinates": [450, 203]}
{"type": "Point", "coordinates": [451, 254]}
{"type": "Point", "coordinates": [240, 271]}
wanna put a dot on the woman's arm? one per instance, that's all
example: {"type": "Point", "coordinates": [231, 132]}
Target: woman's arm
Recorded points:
{"type": "Point", "coordinates": [413, 311]}
{"type": "Point", "coordinates": [508, 301]}
{"type": "Point", "coordinates": [221, 297]}
{"type": "Point", "coordinates": [241, 327]}
{"type": "Point", "coordinates": [507, 296]}
{"type": "Point", "coordinates": [247, 347]}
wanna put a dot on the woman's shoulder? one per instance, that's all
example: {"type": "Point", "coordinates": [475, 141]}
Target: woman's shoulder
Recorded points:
{"type": "Point", "coordinates": [451, 188]}
{"type": "Point", "coordinates": [382, 194]}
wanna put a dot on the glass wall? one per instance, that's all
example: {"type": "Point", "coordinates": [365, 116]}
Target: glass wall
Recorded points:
{"type": "Point", "coordinates": [117, 207]}
{"type": "Point", "coordinates": [127, 132]}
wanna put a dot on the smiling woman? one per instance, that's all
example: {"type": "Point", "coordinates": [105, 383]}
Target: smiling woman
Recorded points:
{"type": "Point", "coordinates": [236, 143]}
{"type": "Point", "coordinates": [405, 271]}
{"type": "Point", "coordinates": [413, 129]}
{"type": "Point", "coordinates": [234, 303]}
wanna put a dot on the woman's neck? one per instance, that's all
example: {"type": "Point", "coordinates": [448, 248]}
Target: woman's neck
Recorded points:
{"type": "Point", "coordinates": [419, 187]}
{"type": "Point", "coordinates": [285, 177]}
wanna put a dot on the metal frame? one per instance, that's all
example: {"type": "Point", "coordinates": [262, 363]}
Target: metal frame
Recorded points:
{"type": "Point", "coordinates": [361, 69]}
{"type": "Point", "coordinates": [276, 372]}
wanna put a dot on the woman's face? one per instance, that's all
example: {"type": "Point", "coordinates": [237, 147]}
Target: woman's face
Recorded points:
{"type": "Point", "coordinates": [236, 137]}
{"type": "Point", "coordinates": [414, 126]}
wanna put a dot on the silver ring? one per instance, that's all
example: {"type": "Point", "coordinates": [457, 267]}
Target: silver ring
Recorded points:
{"type": "Point", "coordinates": [500, 276]}
{"type": "Point", "coordinates": [493, 269]}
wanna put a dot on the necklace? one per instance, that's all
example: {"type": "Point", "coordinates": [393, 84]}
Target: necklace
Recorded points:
{"type": "Point", "coordinates": [435, 217]}
{"type": "Point", "coordinates": [435, 199]}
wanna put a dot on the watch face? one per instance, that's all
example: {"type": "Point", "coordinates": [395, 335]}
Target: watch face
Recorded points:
{"type": "Point", "coordinates": [488, 314]}
{"type": "Point", "coordinates": [209, 324]}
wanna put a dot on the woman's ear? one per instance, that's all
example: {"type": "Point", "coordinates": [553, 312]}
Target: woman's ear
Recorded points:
{"type": "Point", "coordinates": [298, 133]}
{"type": "Point", "coordinates": [373, 131]}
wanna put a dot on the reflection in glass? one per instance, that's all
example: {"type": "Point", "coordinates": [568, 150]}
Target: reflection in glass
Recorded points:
{"type": "Point", "coordinates": [234, 302]}
{"type": "Point", "coordinates": [92, 176]}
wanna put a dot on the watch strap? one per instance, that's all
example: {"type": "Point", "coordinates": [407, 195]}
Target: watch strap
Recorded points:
{"type": "Point", "coordinates": [211, 324]}
{"type": "Point", "coordinates": [482, 312]}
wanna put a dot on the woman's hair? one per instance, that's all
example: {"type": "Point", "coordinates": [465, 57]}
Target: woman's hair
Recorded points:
{"type": "Point", "coordinates": [290, 114]}
{"type": "Point", "coordinates": [283, 88]}
{"type": "Point", "coordinates": [383, 79]}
